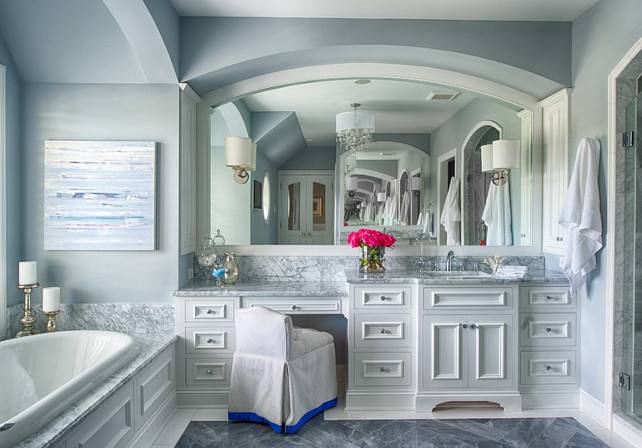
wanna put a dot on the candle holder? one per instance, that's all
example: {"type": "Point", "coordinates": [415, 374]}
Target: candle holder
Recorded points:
{"type": "Point", "coordinates": [28, 320]}
{"type": "Point", "coordinates": [51, 320]}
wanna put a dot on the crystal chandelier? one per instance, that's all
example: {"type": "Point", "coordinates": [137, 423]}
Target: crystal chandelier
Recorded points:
{"type": "Point", "coordinates": [355, 129]}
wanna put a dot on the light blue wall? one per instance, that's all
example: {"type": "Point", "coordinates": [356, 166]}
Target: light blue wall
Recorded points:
{"type": "Point", "coordinates": [217, 51]}
{"type": "Point", "coordinates": [13, 164]}
{"type": "Point", "coordinates": [103, 112]}
{"type": "Point", "coordinates": [312, 158]}
{"type": "Point", "coordinates": [421, 141]}
{"type": "Point", "coordinates": [601, 37]}
{"type": "Point", "coordinates": [168, 24]}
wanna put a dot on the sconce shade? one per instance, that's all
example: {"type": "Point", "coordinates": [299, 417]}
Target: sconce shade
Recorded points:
{"type": "Point", "coordinates": [381, 197]}
{"type": "Point", "coordinates": [506, 154]}
{"type": "Point", "coordinates": [487, 158]}
{"type": "Point", "coordinates": [416, 183]}
{"type": "Point", "coordinates": [240, 152]}
{"type": "Point", "coordinates": [352, 183]}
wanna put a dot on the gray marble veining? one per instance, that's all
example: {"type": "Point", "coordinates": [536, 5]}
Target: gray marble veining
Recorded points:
{"type": "Point", "coordinates": [451, 277]}
{"type": "Point", "coordinates": [151, 326]}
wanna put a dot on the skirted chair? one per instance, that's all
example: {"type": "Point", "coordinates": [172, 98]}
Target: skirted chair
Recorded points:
{"type": "Point", "coordinates": [281, 375]}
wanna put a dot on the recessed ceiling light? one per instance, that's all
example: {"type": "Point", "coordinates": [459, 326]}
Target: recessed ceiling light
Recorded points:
{"type": "Point", "coordinates": [362, 81]}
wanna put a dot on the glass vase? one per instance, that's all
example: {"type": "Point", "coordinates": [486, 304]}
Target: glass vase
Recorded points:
{"type": "Point", "coordinates": [231, 274]}
{"type": "Point", "coordinates": [372, 259]}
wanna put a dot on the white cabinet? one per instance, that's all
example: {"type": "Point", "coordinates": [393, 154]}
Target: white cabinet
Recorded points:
{"type": "Point", "coordinates": [555, 141]}
{"type": "Point", "coordinates": [467, 351]}
{"type": "Point", "coordinates": [306, 207]}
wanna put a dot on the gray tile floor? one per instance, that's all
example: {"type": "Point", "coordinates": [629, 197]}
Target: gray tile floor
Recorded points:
{"type": "Point", "coordinates": [318, 433]}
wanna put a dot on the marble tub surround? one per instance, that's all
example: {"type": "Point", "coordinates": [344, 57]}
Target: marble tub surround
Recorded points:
{"type": "Point", "coordinates": [151, 326]}
{"type": "Point", "coordinates": [260, 269]}
{"type": "Point", "coordinates": [203, 288]}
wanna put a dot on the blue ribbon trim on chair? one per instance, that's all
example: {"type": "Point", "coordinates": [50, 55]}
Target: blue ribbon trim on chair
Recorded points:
{"type": "Point", "coordinates": [252, 417]}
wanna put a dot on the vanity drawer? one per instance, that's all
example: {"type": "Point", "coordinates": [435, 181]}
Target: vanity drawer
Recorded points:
{"type": "Point", "coordinates": [209, 340]}
{"type": "Point", "coordinates": [382, 369]}
{"type": "Point", "coordinates": [209, 311]}
{"type": "Point", "coordinates": [548, 330]}
{"type": "Point", "coordinates": [208, 372]}
{"type": "Point", "coordinates": [467, 297]}
{"type": "Point", "coordinates": [386, 298]}
{"type": "Point", "coordinates": [553, 367]}
{"type": "Point", "coordinates": [296, 305]}
{"type": "Point", "coordinates": [547, 298]}
{"type": "Point", "coordinates": [378, 330]}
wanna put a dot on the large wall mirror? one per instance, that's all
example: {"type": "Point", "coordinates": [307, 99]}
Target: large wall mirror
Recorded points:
{"type": "Point", "coordinates": [418, 160]}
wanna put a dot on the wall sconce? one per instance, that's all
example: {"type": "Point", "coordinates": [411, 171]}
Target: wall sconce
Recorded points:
{"type": "Point", "coordinates": [352, 183]}
{"type": "Point", "coordinates": [240, 155]}
{"type": "Point", "coordinates": [381, 197]}
{"type": "Point", "coordinates": [416, 183]}
{"type": "Point", "coordinates": [499, 158]}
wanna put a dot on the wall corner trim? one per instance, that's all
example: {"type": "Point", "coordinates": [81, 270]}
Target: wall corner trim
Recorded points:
{"type": "Point", "coordinates": [594, 408]}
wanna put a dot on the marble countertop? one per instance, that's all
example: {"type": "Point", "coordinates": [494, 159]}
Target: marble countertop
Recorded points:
{"type": "Point", "coordinates": [265, 289]}
{"type": "Point", "coordinates": [454, 277]}
{"type": "Point", "coordinates": [149, 346]}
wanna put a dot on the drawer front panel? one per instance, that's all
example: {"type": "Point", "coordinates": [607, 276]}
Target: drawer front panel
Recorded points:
{"type": "Point", "coordinates": [208, 372]}
{"type": "Point", "coordinates": [376, 330]}
{"type": "Point", "coordinates": [209, 311]}
{"type": "Point", "coordinates": [382, 369]}
{"type": "Point", "coordinates": [548, 367]}
{"type": "Point", "coordinates": [547, 298]}
{"type": "Point", "coordinates": [382, 297]}
{"type": "Point", "coordinates": [296, 305]}
{"type": "Point", "coordinates": [459, 298]}
{"type": "Point", "coordinates": [548, 330]}
{"type": "Point", "coordinates": [209, 340]}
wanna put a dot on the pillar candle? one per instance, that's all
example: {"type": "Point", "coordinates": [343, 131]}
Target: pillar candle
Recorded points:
{"type": "Point", "coordinates": [27, 272]}
{"type": "Point", "coordinates": [50, 299]}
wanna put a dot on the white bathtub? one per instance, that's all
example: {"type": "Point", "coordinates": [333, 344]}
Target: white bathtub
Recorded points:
{"type": "Point", "coordinates": [41, 375]}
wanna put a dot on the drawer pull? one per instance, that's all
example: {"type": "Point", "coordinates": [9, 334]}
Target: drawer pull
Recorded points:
{"type": "Point", "coordinates": [383, 331]}
{"type": "Point", "coordinates": [549, 329]}
{"type": "Point", "coordinates": [211, 311]}
{"type": "Point", "coordinates": [211, 341]}
{"type": "Point", "coordinates": [209, 371]}
{"type": "Point", "coordinates": [383, 369]}
{"type": "Point", "coordinates": [548, 368]}
{"type": "Point", "coordinates": [293, 307]}
{"type": "Point", "coordinates": [383, 298]}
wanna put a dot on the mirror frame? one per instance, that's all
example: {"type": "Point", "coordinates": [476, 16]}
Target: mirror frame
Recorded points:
{"type": "Point", "coordinates": [401, 72]}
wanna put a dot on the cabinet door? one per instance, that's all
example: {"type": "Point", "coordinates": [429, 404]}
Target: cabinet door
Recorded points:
{"type": "Point", "coordinates": [293, 224]}
{"type": "Point", "coordinates": [489, 357]}
{"type": "Point", "coordinates": [320, 209]}
{"type": "Point", "coordinates": [555, 111]}
{"type": "Point", "coordinates": [444, 351]}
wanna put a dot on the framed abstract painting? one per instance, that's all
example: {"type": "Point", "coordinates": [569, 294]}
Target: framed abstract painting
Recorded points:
{"type": "Point", "coordinates": [100, 195]}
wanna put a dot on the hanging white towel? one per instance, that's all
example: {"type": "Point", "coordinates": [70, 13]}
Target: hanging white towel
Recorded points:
{"type": "Point", "coordinates": [420, 220]}
{"type": "Point", "coordinates": [428, 223]}
{"type": "Point", "coordinates": [451, 214]}
{"type": "Point", "coordinates": [580, 217]}
{"type": "Point", "coordinates": [404, 213]}
{"type": "Point", "coordinates": [497, 216]}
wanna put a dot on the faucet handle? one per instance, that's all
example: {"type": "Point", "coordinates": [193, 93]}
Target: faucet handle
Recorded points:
{"type": "Point", "coordinates": [461, 266]}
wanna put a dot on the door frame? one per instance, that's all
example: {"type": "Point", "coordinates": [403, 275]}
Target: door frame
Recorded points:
{"type": "Point", "coordinates": [283, 173]}
{"type": "Point", "coordinates": [441, 160]}
{"type": "Point", "coordinates": [3, 201]}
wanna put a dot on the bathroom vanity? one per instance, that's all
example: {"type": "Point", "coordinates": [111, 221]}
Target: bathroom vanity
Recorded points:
{"type": "Point", "coordinates": [415, 340]}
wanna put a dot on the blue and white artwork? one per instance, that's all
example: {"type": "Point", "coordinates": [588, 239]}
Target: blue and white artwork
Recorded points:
{"type": "Point", "coordinates": [100, 195]}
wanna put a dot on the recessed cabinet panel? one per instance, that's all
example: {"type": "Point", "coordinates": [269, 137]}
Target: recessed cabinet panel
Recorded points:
{"type": "Point", "coordinates": [378, 330]}
{"type": "Point", "coordinates": [384, 298]}
{"type": "Point", "coordinates": [198, 311]}
{"type": "Point", "coordinates": [554, 367]}
{"type": "Point", "coordinates": [382, 369]}
{"type": "Point", "coordinates": [208, 372]}
{"type": "Point", "coordinates": [490, 352]}
{"type": "Point", "coordinates": [547, 298]}
{"type": "Point", "coordinates": [445, 350]}
{"type": "Point", "coordinates": [209, 340]}
{"type": "Point", "coordinates": [460, 298]}
{"type": "Point", "coordinates": [153, 386]}
{"type": "Point", "coordinates": [296, 305]}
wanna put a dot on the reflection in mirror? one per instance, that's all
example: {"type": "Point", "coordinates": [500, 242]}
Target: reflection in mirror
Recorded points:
{"type": "Point", "coordinates": [401, 151]}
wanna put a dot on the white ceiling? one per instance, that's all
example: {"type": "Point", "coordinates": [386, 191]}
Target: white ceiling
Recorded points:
{"type": "Point", "coordinates": [530, 10]}
{"type": "Point", "coordinates": [400, 106]}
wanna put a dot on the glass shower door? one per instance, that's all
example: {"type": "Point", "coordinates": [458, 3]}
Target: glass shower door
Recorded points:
{"type": "Point", "coordinates": [630, 378]}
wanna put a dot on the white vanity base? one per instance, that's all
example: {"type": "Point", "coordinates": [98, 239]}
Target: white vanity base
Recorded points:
{"type": "Point", "coordinates": [508, 401]}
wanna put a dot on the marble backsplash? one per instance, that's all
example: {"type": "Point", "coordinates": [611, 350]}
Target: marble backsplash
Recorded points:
{"type": "Point", "coordinates": [332, 268]}
{"type": "Point", "coordinates": [134, 319]}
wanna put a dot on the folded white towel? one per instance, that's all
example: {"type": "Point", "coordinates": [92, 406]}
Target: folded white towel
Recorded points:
{"type": "Point", "coordinates": [581, 217]}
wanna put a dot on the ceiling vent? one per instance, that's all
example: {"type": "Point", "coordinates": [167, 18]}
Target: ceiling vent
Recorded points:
{"type": "Point", "coordinates": [442, 96]}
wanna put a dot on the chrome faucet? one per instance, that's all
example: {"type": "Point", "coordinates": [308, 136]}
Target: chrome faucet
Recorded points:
{"type": "Point", "coordinates": [449, 260]}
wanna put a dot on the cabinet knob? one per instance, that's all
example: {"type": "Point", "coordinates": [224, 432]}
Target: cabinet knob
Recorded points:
{"type": "Point", "coordinates": [382, 369]}
{"type": "Point", "coordinates": [473, 326]}
{"type": "Point", "coordinates": [549, 297]}
{"type": "Point", "coordinates": [209, 371]}
{"type": "Point", "coordinates": [464, 325]}
{"type": "Point", "coordinates": [382, 298]}
{"type": "Point", "coordinates": [549, 329]}
{"type": "Point", "coordinates": [293, 307]}
{"type": "Point", "coordinates": [548, 368]}
{"type": "Point", "coordinates": [211, 311]}
{"type": "Point", "coordinates": [383, 331]}
{"type": "Point", "coordinates": [211, 341]}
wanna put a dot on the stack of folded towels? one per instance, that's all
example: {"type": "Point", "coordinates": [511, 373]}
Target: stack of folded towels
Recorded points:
{"type": "Point", "coordinates": [517, 272]}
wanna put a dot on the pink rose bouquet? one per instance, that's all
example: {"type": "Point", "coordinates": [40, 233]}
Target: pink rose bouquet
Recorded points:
{"type": "Point", "coordinates": [372, 244]}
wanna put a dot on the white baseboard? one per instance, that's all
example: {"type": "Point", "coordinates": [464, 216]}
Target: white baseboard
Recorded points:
{"type": "Point", "coordinates": [627, 431]}
{"type": "Point", "coordinates": [146, 435]}
{"type": "Point", "coordinates": [594, 408]}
